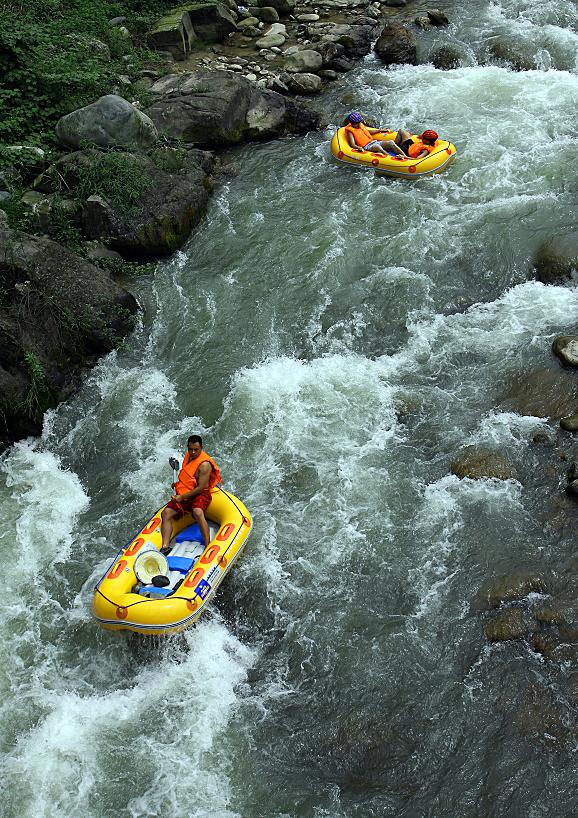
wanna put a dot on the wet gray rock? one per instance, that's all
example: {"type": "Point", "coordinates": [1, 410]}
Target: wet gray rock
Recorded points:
{"type": "Point", "coordinates": [423, 21]}
{"type": "Point", "coordinates": [557, 258]}
{"type": "Point", "coordinates": [111, 121]}
{"type": "Point", "coordinates": [570, 424]}
{"type": "Point", "coordinates": [267, 14]}
{"type": "Point", "coordinates": [217, 108]}
{"type": "Point", "coordinates": [542, 393]}
{"type": "Point", "coordinates": [477, 464]}
{"type": "Point", "coordinates": [59, 313]}
{"type": "Point", "coordinates": [303, 62]}
{"type": "Point", "coordinates": [271, 41]}
{"type": "Point", "coordinates": [506, 625]}
{"type": "Point", "coordinates": [446, 57]}
{"type": "Point", "coordinates": [437, 17]}
{"type": "Point", "coordinates": [506, 49]}
{"type": "Point", "coordinates": [508, 588]}
{"type": "Point", "coordinates": [283, 7]}
{"type": "Point", "coordinates": [565, 347]}
{"type": "Point", "coordinates": [305, 83]}
{"type": "Point", "coordinates": [396, 45]}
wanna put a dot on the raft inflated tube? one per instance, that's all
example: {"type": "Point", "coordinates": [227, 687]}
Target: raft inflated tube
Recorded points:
{"type": "Point", "coordinates": [117, 604]}
{"type": "Point", "coordinates": [439, 159]}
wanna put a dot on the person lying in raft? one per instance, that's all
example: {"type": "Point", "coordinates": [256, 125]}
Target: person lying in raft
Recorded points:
{"type": "Point", "coordinates": [421, 147]}
{"type": "Point", "coordinates": [198, 475]}
{"type": "Point", "coordinates": [360, 136]}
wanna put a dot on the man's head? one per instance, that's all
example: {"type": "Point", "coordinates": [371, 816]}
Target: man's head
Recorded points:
{"type": "Point", "coordinates": [194, 446]}
{"type": "Point", "coordinates": [355, 118]}
{"type": "Point", "coordinates": [429, 137]}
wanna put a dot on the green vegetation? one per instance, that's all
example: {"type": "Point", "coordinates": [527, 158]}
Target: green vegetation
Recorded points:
{"type": "Point", "coordinates": [39, 395]}
{"type": "Point", "coordinates": [58, 55]}
{"type": "Point", "coordinates": [114, 175]}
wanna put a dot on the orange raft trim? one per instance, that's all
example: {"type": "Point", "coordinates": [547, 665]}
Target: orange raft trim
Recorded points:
{"type": "Point", "coordinates": [116, 607]}
{"type": "Point", "coordinates": [438, 160]}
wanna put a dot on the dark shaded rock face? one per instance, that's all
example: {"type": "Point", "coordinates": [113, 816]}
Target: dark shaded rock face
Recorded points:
{"type": "Point", "coordinates": [543, 393]}
{"type": "Point", "coordinates": [170, 205]}
{"type": "Point", "coordinates": [218, 108]}
{"type": "Point", "coordinates": [479, 463]}
{"type": "Point", "coordinates": [59, 312]}
{"type": "Point", "coordinates": [397, 45]}
{"type": "Point", "coordinates": [557, 258]}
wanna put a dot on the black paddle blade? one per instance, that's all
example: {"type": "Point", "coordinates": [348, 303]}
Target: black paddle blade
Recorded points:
{"type": "Point", "coordinates": [173, 463]}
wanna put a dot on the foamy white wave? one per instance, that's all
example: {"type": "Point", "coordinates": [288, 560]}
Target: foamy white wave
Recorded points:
{"type": "Point", "coordinates": [517, 319]}
{"type": "Point", "coordinates": [46, 501]}
{"type": "Point", "coordinates": [439, 521]}
{"type": "Point", "coordinates": [506, 428]}
{"type": "Point", "coordinates": [166, 724]}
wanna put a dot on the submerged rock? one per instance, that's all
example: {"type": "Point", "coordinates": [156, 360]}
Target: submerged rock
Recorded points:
{"type": "Point", "coordinates": [506, 625]}
{"type": "Point", "coordinates": [508, 588]}
{"type": "Point", "coordinates": [543, 393]}
{"type": "Point", "coordinates": [111, 121]}
{"type": "Point", "coordinates": [557, 258]}
{"type": "Point", "coordinates": [477, 464]}
{"type": "Point", "coordinates": [396, 45]}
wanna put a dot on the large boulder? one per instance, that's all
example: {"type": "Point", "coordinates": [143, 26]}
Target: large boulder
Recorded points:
{"type": "Point", "coordinates": [211, 22]}
{"type": "Point", "coordinates": [557, 258]}
{"type": "Point", "coordinates": [59, 313]}
{"type": "Point", "coordinates": [566, 348]}
{"type": "Point", "coordinates": [218, 108]}
{"type": "Point", "coordinates": [306, 61]}
{"type": "Point", "coordinates": [111, 121]}
{"type": "Point", "coordinates": [174, 34]}
{"type": "Point", "coordinates": [396, 45]}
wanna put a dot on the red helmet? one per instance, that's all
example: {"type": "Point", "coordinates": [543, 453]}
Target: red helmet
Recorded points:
{"type": "Point", "coordinates": [429, 134]}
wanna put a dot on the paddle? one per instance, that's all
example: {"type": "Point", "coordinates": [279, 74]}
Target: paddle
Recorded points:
{"type": "Point", "coordinates": [174, 464]}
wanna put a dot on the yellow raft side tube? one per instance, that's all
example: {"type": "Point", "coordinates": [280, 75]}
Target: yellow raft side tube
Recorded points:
{"type": "Point", "coordinates": [436, 161]}
{"type": "Point", "coordinates": [117, 608]}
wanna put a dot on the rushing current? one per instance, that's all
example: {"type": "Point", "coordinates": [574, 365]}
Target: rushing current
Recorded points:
{"type": "Point", "coordinates": [337, 339]}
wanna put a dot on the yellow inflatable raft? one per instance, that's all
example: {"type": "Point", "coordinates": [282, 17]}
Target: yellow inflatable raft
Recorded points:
{"type": "Point", "coordinates": [147, 592]}
{"type": "Point", "coordinates": [436, 161]}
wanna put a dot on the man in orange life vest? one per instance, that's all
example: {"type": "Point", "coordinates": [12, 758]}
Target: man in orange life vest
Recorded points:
{"type": "Point", "coordinates": [198, 475]}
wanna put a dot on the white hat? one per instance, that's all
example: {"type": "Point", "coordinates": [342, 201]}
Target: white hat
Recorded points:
{"type": "Point", "coordinates": [150, 564]}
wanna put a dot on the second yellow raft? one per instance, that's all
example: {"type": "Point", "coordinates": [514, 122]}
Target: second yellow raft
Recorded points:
{"type": "Point", "coordinates": [440, 158]}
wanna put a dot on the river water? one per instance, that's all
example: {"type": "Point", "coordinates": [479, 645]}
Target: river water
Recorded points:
{"type": "Point", "coordinates": [337, 339]}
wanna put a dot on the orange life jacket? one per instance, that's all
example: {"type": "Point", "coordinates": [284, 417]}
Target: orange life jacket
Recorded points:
{"type": "Point", "coordinates": [361, 135]}
{"type": "Point", "coordinates": [417, 147]}
{"type": "Point", "coordinates": [187, 479]}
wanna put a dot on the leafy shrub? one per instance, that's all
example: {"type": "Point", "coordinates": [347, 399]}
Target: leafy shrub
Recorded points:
{"type": "Point", "coordinates": [50, 65]}
{"type": "Point", "coordinates": [114, 175]}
